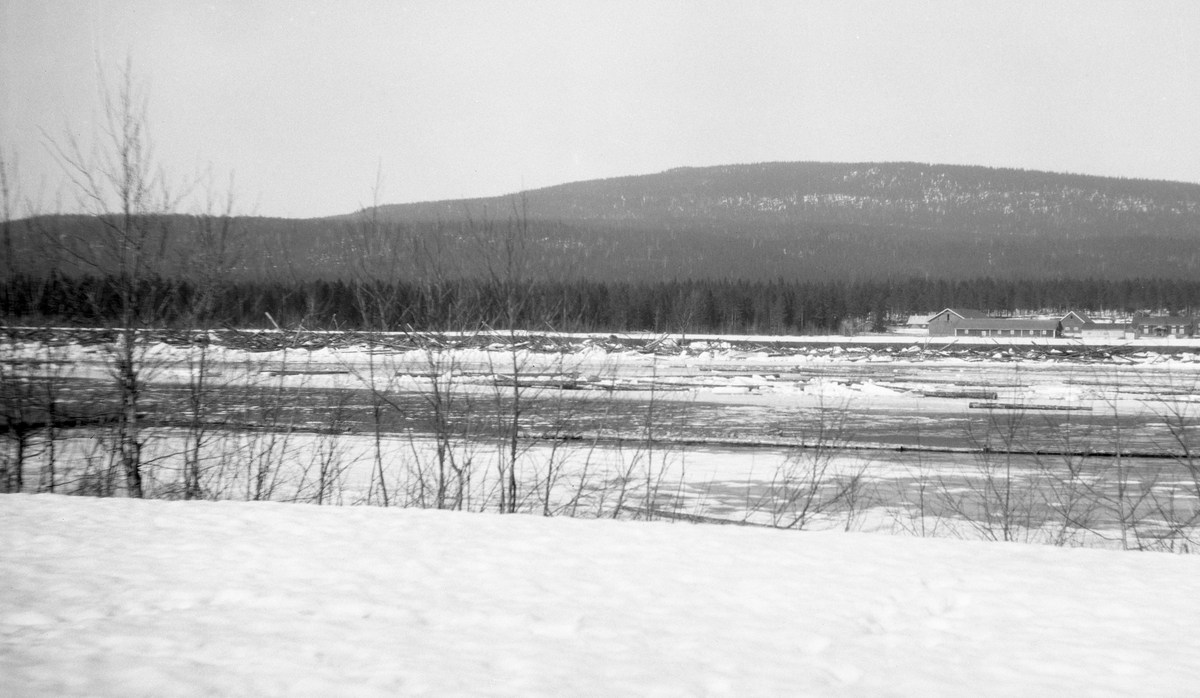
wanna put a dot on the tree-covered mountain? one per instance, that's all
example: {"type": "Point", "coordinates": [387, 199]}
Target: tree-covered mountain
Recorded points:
{"type": "Point", "coordinates": [782, 198]}
{"type": "Point", "coordinates": [806, 221]}
{"type": "Point", "coordinates": [830, 220]}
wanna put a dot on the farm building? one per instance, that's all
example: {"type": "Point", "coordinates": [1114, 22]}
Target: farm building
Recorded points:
{"type": "Point", "coordinates": [942, 324]}
{"type": "Point", "coordinates": [1073, 322]}
{"type": "Point", "coordinates": [1007, 327]}
{"type": "Point", "coordinates": [1163, 326]}
{"type": "Point", "coordinates": [1102, 330]}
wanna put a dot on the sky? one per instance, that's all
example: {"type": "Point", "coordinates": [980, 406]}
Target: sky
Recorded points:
{"type": "Point", "coordinates": [305, 103]}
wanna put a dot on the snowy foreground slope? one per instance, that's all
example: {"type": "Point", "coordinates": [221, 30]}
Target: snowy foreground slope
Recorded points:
{"type": "Point", "coordinates": [149, 598]}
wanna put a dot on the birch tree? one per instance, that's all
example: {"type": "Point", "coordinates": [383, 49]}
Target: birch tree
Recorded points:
{"type": "Point", "coordinates": [125, 192]}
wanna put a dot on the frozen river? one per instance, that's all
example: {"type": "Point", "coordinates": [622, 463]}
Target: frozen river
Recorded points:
{"type": "Point", "coordinates": [1006, 443]}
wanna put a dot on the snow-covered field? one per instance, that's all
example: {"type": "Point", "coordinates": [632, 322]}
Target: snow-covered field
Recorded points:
{"type": "Point", "coordinates": [115, 597]}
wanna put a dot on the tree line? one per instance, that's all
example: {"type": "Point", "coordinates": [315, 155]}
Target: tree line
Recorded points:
{"type": "Point", "coordinates": [690, 306]}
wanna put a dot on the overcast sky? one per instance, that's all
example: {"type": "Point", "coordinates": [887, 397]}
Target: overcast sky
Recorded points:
{"type": "Point", "coordinates": [303, 101]}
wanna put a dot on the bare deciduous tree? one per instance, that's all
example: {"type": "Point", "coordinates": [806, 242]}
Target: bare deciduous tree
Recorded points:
{"type": "Point", "coordinates": [215, 249]}
{"type": "Point", "coordinates": [127, 195]}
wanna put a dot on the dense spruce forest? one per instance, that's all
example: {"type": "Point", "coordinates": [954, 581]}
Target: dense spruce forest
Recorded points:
{"type": "Point", "coordinates": [777, 247]}
{"type": "Point", "coordinates": [700, 307]}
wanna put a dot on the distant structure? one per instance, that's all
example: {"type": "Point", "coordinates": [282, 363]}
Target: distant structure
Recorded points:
{"type": "Point", "coordinates": [1007, 327]}
{"type": "Point", "coordinates": [1104, 330]}
{"type": "Point", "coordinates": [944, 323]}
{"type": "Point", "coordinates": [1163, 326]}
{"type": "Point", "coordinates": [1077, 325]}
{"type": "Point", "coordinates": [965, 322]}
{"type": "Point", "coordinates": [1073, 323]}
{"type": "Point", "coordinates": [918, 322]}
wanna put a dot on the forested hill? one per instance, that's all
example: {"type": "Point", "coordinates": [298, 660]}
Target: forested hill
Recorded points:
{"type": "Point", "coordinates": [778, 199]}
{"type": "Point", "coordinates": [791, 221]}
{"type": "Point", "coordinates": [830, 220]}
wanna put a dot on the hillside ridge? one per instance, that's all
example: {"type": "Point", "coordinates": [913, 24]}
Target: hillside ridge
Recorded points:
{"type": "Point", "coordinates": [922, 195]}
{"type": "Point", "coordinates": [806, 221]}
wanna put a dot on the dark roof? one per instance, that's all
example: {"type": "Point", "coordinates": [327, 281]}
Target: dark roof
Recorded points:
{"type": "Point", "coordinates": [966, 313]}
{"type": "Point", "coordinates": [1078, 315]}
{"type": "Point", "coordinates": [1007, 324]}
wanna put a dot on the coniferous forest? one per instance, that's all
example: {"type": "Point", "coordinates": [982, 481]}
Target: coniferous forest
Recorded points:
{"type": "Point", "coordinates": [694, 306]}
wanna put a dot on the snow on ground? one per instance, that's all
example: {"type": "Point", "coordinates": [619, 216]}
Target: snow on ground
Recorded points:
{"type": "Point", "coordinates": [149, 598]}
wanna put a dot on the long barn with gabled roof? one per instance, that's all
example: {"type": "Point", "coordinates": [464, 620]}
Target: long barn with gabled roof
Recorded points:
{"type": "Point", "coordinates": [1007, 327]}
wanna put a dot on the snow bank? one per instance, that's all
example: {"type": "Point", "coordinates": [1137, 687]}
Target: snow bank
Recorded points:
{"type": "Point", "coordinates": [131, 598]}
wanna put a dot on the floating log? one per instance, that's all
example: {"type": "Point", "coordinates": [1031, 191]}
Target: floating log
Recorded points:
{"type": "Point", "coordinates": [969, 394]}
{"type": "Point", "coordinates": [19, 427]}
{"type": "Point", "coordinates": [556, 384]}
{"type": "Point", "coordinates": [652, 513]}
{"type": "Point", "coordinates": [1014, 406]}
